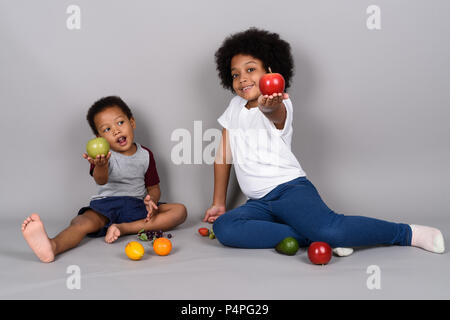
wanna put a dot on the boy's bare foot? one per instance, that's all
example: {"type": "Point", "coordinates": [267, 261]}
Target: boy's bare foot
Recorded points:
{"type": "Point", "coordinates": [112, 234]}
{"type": "Point", "coordinates": [34, 233]}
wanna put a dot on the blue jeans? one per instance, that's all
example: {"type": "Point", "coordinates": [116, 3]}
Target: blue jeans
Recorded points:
{"type": "Point", "coordinates": [295, 209]}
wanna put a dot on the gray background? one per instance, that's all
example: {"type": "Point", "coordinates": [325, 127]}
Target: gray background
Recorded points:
{"type": "Point", "coordinates": [371, 108]}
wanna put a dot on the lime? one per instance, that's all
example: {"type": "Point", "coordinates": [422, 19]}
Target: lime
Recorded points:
{"type": "Point", "coordinates": [287, 246]}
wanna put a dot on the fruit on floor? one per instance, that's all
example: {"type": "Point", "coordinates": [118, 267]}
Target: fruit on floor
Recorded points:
{"type": "Point", "coordinates": [134, 250]}
{"type": "Point", "coordinates": [319, 252]}
{"type": "Point", "coordinates": [162, 246]}
{"type": "Point", "coordinates": [288, 246]}
{"type": "Point", "coordinates": [204, 232]}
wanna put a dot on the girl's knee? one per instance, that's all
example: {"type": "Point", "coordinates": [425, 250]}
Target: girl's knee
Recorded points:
{"type": "Point", "coordinates": [223, 229]}
{"type": "Point", "coordinates": [332, 236]}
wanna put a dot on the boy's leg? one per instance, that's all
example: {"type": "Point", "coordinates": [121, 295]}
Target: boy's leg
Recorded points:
{"type": "Point", "coordinates": [168, 216]}
{"type": "Point", "coordinates": [83, 224]}
{"type": "Point", "coordinates": [301, 207]}
{"type": "Point", "coordinates": [34, 233]}
{"type": "Point", "coordinates": [45, 248]}
{"type": "Point", "coordinates": [253, 226]}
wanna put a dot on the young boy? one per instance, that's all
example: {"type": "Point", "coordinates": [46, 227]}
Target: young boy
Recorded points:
{"type": "Point", "coordinates": [129, 191]}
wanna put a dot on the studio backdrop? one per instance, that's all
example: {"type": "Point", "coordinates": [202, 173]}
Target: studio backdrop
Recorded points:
{"type": "Point", "coordinates": [371, 98]}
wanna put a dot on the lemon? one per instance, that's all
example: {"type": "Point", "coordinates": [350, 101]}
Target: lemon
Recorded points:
{"type": "Point", "coordinates": [288, 246]}
{"type": "Point", "coordinates": [134, 250]}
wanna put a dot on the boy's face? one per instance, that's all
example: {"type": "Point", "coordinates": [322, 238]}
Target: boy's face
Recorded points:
{"type": "Point", "coordinates": [246, 71]}
{"type": "Point", "coordinates": [113, 125]}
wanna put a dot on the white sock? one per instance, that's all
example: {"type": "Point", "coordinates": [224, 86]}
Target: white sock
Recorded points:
{"type": "Point", "coordinates": [427, 238]}
{"type": "Point", "coordinates": [342, 252]}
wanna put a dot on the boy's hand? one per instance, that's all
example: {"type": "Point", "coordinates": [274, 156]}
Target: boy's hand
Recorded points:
{"type": "Point", "coordinates": [213, 213]}
{"type": "Point", "coordinates": [269, 103]}
{"type": "Point", "coordinates": [151, 206]}
{"type": "Point", "coordinates": [99, 161]}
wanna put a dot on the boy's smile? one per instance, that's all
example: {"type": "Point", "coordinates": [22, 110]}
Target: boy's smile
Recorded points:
{"type": "Point", "coordinates": [113, 125]}
{"type": "Point", "coordinates": [246, 71]}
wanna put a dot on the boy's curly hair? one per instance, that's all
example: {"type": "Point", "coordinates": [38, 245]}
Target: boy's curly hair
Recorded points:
{"type": "Point", "coordinates": [268, 47]}
{"type": "Point", "coordinates": [102, 104]}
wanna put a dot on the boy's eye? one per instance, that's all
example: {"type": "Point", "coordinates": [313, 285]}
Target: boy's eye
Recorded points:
{"type": "Point", "coordinates": [106, 130]}
{"type": "Point", "coordinates": [250, 69]}
{"type": "Point", "coordinates": [120, 122]}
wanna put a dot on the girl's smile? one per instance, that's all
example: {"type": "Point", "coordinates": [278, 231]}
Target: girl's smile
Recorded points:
{"type": "Point", "coordinates": [246, 71]}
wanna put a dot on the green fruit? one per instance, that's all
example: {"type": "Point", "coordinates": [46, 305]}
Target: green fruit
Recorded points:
{"type": "Point", "coordinates": [288, 246]}
{"type": "Point", "coordinates": [97, 146]}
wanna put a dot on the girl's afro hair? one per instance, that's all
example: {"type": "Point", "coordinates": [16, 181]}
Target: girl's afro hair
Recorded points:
{"type": "Point", "coordinates": [266, 46]}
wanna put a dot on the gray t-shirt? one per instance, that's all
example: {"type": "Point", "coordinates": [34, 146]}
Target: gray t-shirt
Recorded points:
{"type": "Point", "coordinates": [129, 175]}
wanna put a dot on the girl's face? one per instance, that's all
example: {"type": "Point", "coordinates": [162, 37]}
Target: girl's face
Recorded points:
{"type": "Point", "coordinates": [246, 71]}
{"type": "Point", "coordinates": [114, 125]}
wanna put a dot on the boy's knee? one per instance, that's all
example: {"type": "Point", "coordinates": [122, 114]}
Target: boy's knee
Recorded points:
{"type": "Point", "coordinates": [181, 212]}
{"type": "Point", "coordinates": [88, 220]}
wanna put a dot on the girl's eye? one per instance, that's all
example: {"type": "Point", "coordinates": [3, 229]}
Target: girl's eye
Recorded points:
{"type": "Point", "coordinates": [234, 76]}
{"type": "Point", "coordinates": [250, 69]}
{"type": "Point", "coordinates": [120, 122]}
{"type": "Point", "coordinates": [106, 130]}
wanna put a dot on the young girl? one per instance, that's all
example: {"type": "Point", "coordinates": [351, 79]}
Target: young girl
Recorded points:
{"type": "Point", "coordinates": [282, 202]}
{"type": "Point", "coordinates": [129, 193]}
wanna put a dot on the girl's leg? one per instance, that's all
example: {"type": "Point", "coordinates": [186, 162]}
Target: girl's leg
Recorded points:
{"type": "Point", "coordinates": [168, 216]}
{"type": "Point", "coordinates": [301, 207]}
{"type": "Point", "coordinates": [252, 226]}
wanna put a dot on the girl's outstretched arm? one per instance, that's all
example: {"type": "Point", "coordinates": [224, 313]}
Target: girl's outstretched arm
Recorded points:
{"type": "Point", "coordinates": [274, 108]}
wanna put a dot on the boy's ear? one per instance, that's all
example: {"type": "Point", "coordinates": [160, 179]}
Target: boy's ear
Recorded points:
{"type": "Point", "coordinates": [133, 123]}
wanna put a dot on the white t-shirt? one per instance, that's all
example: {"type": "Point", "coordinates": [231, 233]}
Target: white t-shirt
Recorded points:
{"type": "Point", "coordinates": [261, 153]}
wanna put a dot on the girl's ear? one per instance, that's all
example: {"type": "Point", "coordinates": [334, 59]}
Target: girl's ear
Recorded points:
{"type": "Point", "coordinates": [133, 123]}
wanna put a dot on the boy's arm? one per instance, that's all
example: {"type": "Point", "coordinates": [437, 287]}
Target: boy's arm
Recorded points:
{"type": "Point", "coordinates": [154, 192]}
{"type": "Point", "coordinates": [100, 167]}
{"type": "Point", "coordinates": [274, 108]}
{"type": "Point", "coordinates": [100, 174]}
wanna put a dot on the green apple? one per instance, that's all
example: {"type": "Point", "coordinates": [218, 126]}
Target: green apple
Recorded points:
{"type": "Point", "coordinates": [97, 146]}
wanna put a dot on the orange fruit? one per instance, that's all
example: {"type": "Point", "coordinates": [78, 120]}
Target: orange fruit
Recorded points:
{"type": "Point", "coordinates": [134, 250]}
{"type": "Point", "coordinates": [162, 246]}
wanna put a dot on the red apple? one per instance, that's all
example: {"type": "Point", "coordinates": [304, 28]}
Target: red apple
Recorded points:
{"type": "Point", "coordinates": [271, 83]}
{"type": "Point", "coordinates": [319, 252]}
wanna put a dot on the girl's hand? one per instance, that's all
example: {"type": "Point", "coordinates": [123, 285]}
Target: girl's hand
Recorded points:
{"type": "Point", "coordinates": [270, 103]}
{"type": "Point", "coordinates": [99, 161]}
{"type": "Point", "coordinates": [213, 213]}
{"type": "Point", "coordinates": [151, 206]}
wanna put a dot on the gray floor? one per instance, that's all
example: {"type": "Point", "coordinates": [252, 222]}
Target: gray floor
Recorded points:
{"type": "Point", "coordinates": [200, 268]}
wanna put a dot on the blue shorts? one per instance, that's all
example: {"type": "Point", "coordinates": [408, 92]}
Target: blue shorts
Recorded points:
{"type": "Point", "coordinates": [117, 210]}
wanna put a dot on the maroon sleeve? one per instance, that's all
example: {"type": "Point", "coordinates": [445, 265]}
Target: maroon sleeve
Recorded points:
{"type": "Point", "coordinates": [151, 175]}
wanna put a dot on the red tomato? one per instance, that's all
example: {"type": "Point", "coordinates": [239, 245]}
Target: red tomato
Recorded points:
{"type": "Point", "coordinates": [271, 83]}
{"type": "Point", "coordinates": [204, 232]}
{"type": "Point", "coordinates": [319, 252]}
